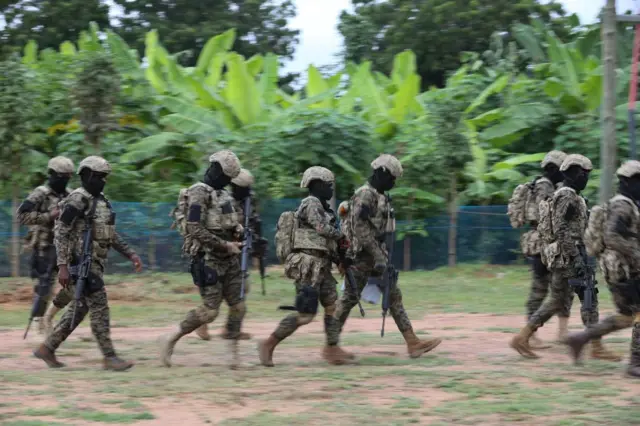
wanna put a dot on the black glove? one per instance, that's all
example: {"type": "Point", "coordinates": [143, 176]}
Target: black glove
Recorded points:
{"type": "Point", "coordinates": [579, 268]}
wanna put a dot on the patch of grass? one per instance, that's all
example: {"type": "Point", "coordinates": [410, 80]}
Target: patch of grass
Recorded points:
{"type": "Point", "coordinates": [407, 403]}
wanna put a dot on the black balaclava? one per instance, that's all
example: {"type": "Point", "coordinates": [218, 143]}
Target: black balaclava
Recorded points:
{"type": "Point", "coordinates": [630, 187]}
{"type": "Point", "coordinates": [215, 177]}
{"type": "Point", "coordinates": [58, 181]}
{"type": "Point", "coordinates": [576, 177]}
{"type": "Point", "coordinates": [382, 180]}
{"type": "Point", "coordinates": [93, 182]}
{"type": "Point", "coordinates": [321, 190]}
{"type": "Point", "coordinates": [240, 192]}
{"type": "Point", "coordinates": [553, 173]}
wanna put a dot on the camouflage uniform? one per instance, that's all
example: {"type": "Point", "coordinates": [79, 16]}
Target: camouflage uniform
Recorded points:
{"type": "Point", "coordinates": [568, 222]}
{"type": "Point", "coordinates": [35, 212]}
{"type": "Point", "coordinates": [366, 233]}
{"type": "Point", "coordinates": [309, 265]}
{"type": "Point", "coordinates": [531, 245]}
{"type": "Point", "coordinates": [213, 223]}
{"type": "Point", "coordinates": [68, 240]}
{"type": "Point", "coordinates": [245, 180]}
{"type": "Point", "coordinates": [620, 264]}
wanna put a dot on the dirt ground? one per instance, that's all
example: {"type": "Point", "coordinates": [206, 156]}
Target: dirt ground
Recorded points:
{"type": "Point", "coordinates": [468, 379]}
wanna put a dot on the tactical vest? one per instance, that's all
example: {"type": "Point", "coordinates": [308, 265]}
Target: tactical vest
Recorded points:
{"type": "Point", "coordinates": [306, 237]}
{"type": "Point", "coordinates": [221, 217]}
{"type": "Point", "coordinates": [40, 236]}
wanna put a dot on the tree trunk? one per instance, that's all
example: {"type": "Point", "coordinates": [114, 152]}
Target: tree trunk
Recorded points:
{"type": "Point", "coordinates": [608, 113]}
{"type": "Point", "coordinates": [15, 233]}
{"type": "Point", "coordinates": [453, 219]}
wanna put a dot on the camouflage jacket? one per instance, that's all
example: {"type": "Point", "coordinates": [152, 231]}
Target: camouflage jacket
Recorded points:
{"type": "Point", "coordinates": [316, 230]}
{"type": "Point", "coordinates": [569, 221]}
{"type": "Point", "coordinates": [38, 217]}
{"type": "Point", "coordinates": [217, 223]}
{"type": "Point", "coordinates": [367, 222]}
{"type": "Point", "coordinates": [68, 239]}
{"type": "Point", "coordinates": [620, 231]}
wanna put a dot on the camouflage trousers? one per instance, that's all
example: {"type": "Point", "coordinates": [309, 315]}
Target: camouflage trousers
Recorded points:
{"type": "Point", "coordinates": [363, 269]}
{"type": "Point", "coordinates": [42, 306]}
{"type": "Point", "coordinates": [540, 282]}
{"type": "Point", "coordinates": [97, 306]}
{"type": "Point", "coordinates": [635, 342]}
{"type": "Point", "coordinates": [327, 296]}
{"type": "Point", "coordinates": [626, 297]}
{"type": "Point", "coordinates": [227, 287]}
{"type": "Point", "coordinates": [560, 300]}
{"type": "Point", "coordinates": [63, 298]}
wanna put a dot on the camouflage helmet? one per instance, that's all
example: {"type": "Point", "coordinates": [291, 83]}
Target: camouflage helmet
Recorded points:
{"type": "Point", "coordinates": [576, 160]}
{"type": "Point", "coordinates": [228, 161]}
{"type": "Point", "coordinates": [96, 164]}
{"type": "Point", "coordinates": [390, 163]}
{"type": "Point", "coordinates": [244, 179]}
{"type": "Point", "coordinates": [553, 157]}
{"type": "Point", "coordinates": [60, 164]}
{"type": "Point", "coordinates": [629, 168]}
{"type": "Point", "coordinates": [316, 172]}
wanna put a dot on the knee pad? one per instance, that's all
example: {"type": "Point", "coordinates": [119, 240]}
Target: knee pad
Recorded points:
{"type": "Point", "coordinates": [238, 310]}
{"type": "Point", "coordinates": [329, 310]}
{"type": "Point", "coordinates": [307, 300]}
{"type": "Point", "coordinates": [207, 315]}
{"type": "Point", "coordinates": [304, 319]}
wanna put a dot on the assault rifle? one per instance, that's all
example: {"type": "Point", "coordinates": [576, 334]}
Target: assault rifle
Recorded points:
{"type": "Point", "coordinates": [390, 275]}
{"type": "Point", "coordinates": [260, 251]}
{"type": "Point", "coordinates": [587, 284]}
{"type": "Point", "coordinates": [246, 246]}
{"type": "Point", "coordinates": [84, 267]}
{"type": "Point", "coordinates": [43, 288]}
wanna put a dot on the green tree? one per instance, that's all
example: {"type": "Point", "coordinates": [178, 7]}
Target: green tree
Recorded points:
{"type": "Point", "coordinates": [437, 31]}
{"type": "Point", "coordinates": [185, 26]}
{"type": "Point", "coordinates": [48, 22]}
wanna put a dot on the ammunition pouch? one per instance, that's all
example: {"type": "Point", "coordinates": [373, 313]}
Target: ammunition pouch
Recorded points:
{"type": "Point", "coordinates": [94, 282]}
{"type": "Point", "coordinates": [538, 267]}
{"type": "Point", "coordinates": [307, 300]}
{"type": "Point", "coordinates": [203, 276]}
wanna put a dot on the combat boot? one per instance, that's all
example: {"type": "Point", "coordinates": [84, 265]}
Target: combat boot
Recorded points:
{"type": "Point", "coordinates": [242, 336]}
{"type": "Point", "coordinates": [535, 343]}
{"type": "Point", "coordinates": [203, 333]}
{"type": "Point", "coordinates": [47, 320]}
{"type": "Point", "coordinates": [563, 329]}
{"type": "Point", "coordinates": [48, 356]}
{"type": "Point", "coordinates": [576, 343]}
{"type": "Point", "coordinates": [598, 351]}
{"type": "Point", "coordinates": [417, 347]}
{"type": "Point", "coordinates": [334, 355]}
{"type": "Point", "coordinates": [167, 349]}
{"type": "Point", "coordinates": [634, 361]}
{"type": "Point", "coordinates": [521, 343]}
{"type": "Point", "coordinates": [265, 350]}
{"type": "Point", "coordinates": [114, 363]}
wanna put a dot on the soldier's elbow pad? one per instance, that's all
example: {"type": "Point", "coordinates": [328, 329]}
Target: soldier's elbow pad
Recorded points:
{"type": "Point", "coordinates": [27, 206]}
{"type": "Point", "coordinates": [69, 214]}
{"type": "Point", "coordinates": [195, 213]}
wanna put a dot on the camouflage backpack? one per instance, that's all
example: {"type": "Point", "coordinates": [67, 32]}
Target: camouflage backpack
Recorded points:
{"type": "Point", "coordinates": [285, 231]}
{"type": "Point", "coordinates": [522, 208]}
{"type": "Point", "coordinates": [594, 235]}
{"type": "Point", "coordinates": [545, 218]}
{"type": "Point", "coordinates": [179, 213]}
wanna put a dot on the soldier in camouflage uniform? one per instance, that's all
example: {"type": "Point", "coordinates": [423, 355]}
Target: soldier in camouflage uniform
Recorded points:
{"type": "Point", "coordinates": [68, 240]}
{"type": "Point", "coordinates": [213, 231]}
{"type": "Point", "coordinates": [315, 245]}
{"type": "Point", "coordinates": [620, 263]}
{"type": "Point", "coordinates": [368, 220]}
{"type": "Point", "coordinates": [561, 255]}
{"type": "Point", "coordinates": [240, 190]}
{"type": "Point", "coordinates": [531, 245]}
{"type": "Point", "coordinates": [39, 212]}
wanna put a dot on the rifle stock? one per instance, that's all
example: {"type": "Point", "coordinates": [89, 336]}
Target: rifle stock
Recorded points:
{"type": "Point", "coordinates": [390, 275]}
{"type": "Point", "coordinates": [586, 284]}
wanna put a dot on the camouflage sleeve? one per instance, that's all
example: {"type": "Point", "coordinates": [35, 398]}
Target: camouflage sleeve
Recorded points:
{"type": "Point", "coordinates": [28, 212]}
{"type": "Point", "coordinates": [66, 226]}
{"type": "Point", "coordinates": [618, 234]}
{"type": "Point", "coordinates": [363, 206]}
{"type": "Point", "coordinates": [566, 209]}
{"type": "Point", "coordinates": [121, 246]}
{"type": "Point", "coordinates": [543, 190]}
{"type": "Point", "coordinates": [314, 214]}
{"type": "Point", "coordinates": [197, 212]}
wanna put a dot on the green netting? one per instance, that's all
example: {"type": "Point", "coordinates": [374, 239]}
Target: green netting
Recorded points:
{"type": "Point", "coordinates": [484, 236]}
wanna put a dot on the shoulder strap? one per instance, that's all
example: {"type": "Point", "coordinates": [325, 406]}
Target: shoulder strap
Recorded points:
{"type": "Point", "coordinates": [92, 212]}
